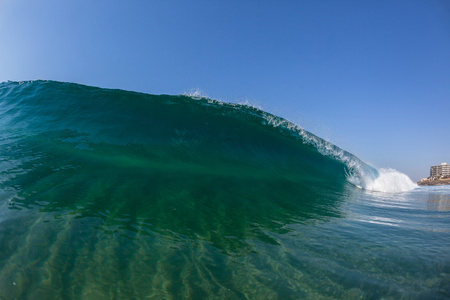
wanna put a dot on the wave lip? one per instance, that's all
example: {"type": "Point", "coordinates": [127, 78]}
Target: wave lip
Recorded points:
{"type": "Point", "coordinates": [390, 181]}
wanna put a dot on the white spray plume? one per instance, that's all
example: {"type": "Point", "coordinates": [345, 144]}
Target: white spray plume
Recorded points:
{"type": "Point", "coordinates": [390, 181]}
{"type": "Point", "coordinates": [196, 94]}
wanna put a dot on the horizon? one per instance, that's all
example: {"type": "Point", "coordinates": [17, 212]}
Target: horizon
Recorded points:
{"type": "Point", "coordinates": [371, 78]}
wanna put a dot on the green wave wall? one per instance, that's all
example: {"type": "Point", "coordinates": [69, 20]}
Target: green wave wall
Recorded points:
{"type": "Point", "coordinates": [104, 186]}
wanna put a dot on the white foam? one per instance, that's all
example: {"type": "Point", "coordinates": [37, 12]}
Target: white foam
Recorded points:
{"type": "Point", "coordinates": [390, 181]}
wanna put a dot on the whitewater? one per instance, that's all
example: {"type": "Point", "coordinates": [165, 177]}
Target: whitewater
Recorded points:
{"type": "Point", "coordinates": [114, 194]}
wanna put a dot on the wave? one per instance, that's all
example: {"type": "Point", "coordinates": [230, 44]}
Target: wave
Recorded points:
{"type": "Point", "coordinates": [186, 131]}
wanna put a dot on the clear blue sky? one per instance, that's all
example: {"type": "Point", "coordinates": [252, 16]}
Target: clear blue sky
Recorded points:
{"type": "Point", "coordinates": [373, 77]}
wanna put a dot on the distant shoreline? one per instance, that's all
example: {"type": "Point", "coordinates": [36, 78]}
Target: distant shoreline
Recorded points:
{"type": "Point", "coordinates": [445, 181]}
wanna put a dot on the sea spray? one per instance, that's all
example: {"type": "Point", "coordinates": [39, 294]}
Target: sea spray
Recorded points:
{"type": "Point", "coordinates": [390, 181]}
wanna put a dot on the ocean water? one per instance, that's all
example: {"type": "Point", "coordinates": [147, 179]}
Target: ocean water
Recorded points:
{"type": "Point", "coordinates": [109, 194]}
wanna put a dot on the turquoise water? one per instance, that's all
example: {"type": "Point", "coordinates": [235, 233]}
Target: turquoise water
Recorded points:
{"type": "Point", "coordinates": [109, 194]}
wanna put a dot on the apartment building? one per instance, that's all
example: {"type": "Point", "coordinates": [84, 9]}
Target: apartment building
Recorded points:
{"type": "Point", "coordinates": [441, 170]}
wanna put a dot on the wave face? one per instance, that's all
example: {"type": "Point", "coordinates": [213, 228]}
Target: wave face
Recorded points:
{"type": "Point", "coordinates": [182, 133]}
{"type": "Point", "coordinates": [113, 184]}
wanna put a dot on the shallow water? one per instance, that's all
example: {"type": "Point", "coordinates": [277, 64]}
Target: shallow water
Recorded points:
{"type": "Point", "coordinates": [367, 245]}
